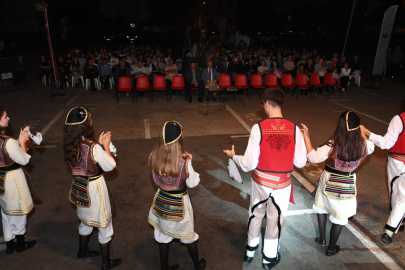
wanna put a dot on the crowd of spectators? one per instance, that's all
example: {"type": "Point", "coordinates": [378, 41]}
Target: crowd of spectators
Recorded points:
{"type": "Point", "coordinates": [135, 61]}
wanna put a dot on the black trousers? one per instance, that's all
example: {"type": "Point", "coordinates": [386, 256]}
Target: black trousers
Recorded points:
{"type": "Point", "coordinates": [169, 86]}
{"type": "Point", "coordinates": [190, 85]}
{"type": "Point", "coordinates": [344, 81]}
{"type": "Point", "coordinates": [105, 81]}
{"type": "Point", "coordinates": [91, 77]}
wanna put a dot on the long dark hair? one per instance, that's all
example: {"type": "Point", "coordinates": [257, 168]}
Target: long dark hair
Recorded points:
{"type": "Point", "coordinates": [2, 111]}
{"type": "Point", "coordinates": [347, 144]}
{"type": "Point", "coordinates": [73, 135]}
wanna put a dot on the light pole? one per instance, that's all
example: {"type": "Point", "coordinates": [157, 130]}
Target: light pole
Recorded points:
{"type": "Point", "coordinates": [348, 27]}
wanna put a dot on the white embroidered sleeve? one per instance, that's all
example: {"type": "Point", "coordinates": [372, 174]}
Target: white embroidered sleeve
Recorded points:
{"type": "Point", "coordinates": [300, 154]}
{"type": "Point", "coordinates": [106, 162]}
{"type": "Point", "coordinates": [193, 178]}
{"type": "Point", "coordinates": [16, 154]}
{"type": "Point", "coordinates": [319, 155]}
{"type": "Point", "coordinates": [390, 138]}
{"type": "Point", "coordinates": [250, 159]}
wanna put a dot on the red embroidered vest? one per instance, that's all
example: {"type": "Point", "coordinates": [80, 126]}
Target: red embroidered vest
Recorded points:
{"type": "Point", "coordinates": [277, 148]}
{"type": "Point", "coordinates": [398, 150]}
{"type": "Point", "coordinates": [5, 159]}
{"type": "Point", "coordinates": [168, 182]}
{"type": "Point", "coordinates": [86, 166]}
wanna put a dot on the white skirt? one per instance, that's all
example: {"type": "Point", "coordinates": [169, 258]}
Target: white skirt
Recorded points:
{"type": "Point", "coordinates": [338, 208]}
{"type": "Point", "coordinates": [183, 229]}
{"type": "Point", "coordinates": [17, 200]}
{"type": "Point", "coordinates": [99, 213]}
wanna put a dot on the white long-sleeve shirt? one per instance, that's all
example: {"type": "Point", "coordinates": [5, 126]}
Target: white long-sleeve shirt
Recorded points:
{"type": "Point", "coordinates": [390, 138]}
{"type": "Point", "coordinates": [250, 159]}
{"type": "Point", "coordinates": [345, 72]}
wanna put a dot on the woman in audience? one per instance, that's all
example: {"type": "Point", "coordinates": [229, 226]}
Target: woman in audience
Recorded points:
{"type": "Point", "coordinates": [76, 70]}
{"type": "Point", "coordinates": [344, 76]}
{"type": "Point", "coordinates": [278, 71]}
{"type": "Point", "coordinates": [321, 69]}
{"type": "Point", "coordinates": [160, 65]}
{"type": "Point", "coordinates": [289, 65]}
{"type": "Point", "coordinates": [309, 67]}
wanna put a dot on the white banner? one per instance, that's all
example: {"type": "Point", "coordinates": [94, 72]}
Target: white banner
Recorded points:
{"type": "Point", "coordinates": [385, 36]}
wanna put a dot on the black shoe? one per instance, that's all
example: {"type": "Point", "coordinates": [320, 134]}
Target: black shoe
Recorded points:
{"type": "Point", "coordinates": [190, 100]}
{"type": "Point", "coordinates": [10, 247]}
{"type": "Point", "coordinates": [93, 89]}
{"type": "Point", "coordinates": [203, 263]}
{"type": "Point", "coordinates": [268, 266]}
{"type": "Point", "coordinates": [214, 98]}
{"type": "Point", "coordinates": [89, 253]}
{"type": "Point", "coordinates": [174, 267]}
{"type": "Point", "coordinates": [355, 85]}
{"type": "Point", "coordinates": [200, 100]}
{"type": "Point", "coordinates": [77, 85]}
{"type": "Point", "coordinates": [401, 228]}
{"type": "Point", "coordinates": [247, 259]}
{"type": "Point", "coordinates": [113, 263]}
{"type": "Point", "coordinates": [386, 238]}
{"type": "Point", "coordinates": [322, 243]}
{"type": "Point", "coordinates": [22, 245]}
{"type": "Point", "coordinates": [61, 86]}
{"type": "Point", "coordinates": [332, 253]}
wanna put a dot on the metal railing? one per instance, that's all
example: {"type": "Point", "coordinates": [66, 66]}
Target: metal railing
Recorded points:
{"type": "Point", "coordinates": [15, 77]}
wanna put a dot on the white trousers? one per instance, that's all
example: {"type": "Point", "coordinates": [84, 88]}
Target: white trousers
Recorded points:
{"type": "Point", "coordinates": [274, 204]}
{"type": "Point", "coordinates": [13, 225]}
{"type": "Point", "coordinates": [396, 185]}
{"type": "Point", "coordinates": [164, 239]}
{"type": "Point", "coordinates": [357, 74]}
{"type": "Point", "coordinates": [332, 219]}
{"type": "Point", "coordinates": [104, 234]}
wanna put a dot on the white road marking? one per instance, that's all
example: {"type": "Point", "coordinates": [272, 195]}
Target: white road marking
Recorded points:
{"type": "Point", "coordinates": [50, 124]}
{"type": "Point", "coordinates": [248, 128]}
{"type": "Point", "coordinates": [239, 136]}
{"type": "Point", "coordinates": [300, 212]}
{"type": "Point", "coordinates": [362, 113]}
{"type": "Point", "coordinates": [308, 186]}
{"type": "Point", "coordinates": [381, 255]}
{"type": "Point", "coordinates": [47, 127]}
{"type": "Point", "coordinates": [147, 129]}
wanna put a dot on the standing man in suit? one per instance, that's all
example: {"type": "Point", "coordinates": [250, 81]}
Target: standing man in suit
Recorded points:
{"type": "Point", "coordinates": [210, 77]}
{"type": "Point", "coordinates": [193, 80]}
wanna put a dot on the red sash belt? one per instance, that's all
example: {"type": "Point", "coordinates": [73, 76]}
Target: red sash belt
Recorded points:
{"type": "Point", "coordinates": [274, 181]}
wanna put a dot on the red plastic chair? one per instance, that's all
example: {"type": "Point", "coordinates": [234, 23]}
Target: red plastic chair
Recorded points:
{"type": "Point", "coordinates": [159, 84]}
{"type": "Point", "coordinates": [315, 81]}
{"type": "Point", "coordinates": [287, 82]}
{"type": "Point", "coordinates": [330, 82]}
{"type": "Point", "coordinates": [178, 83]}
{"type": "Point", "coordinates": [271, 80]}
{"type": "Point", "coordinates": [257, 81]}
{"type": "Point", "coordinates": [301, 82]}
{"type": "Point", "coordinates": [224, 81]}
{"type": "Point", "coordinates": [241, 81]}
{"type": "Point", "coordinates": [142, 85]}
{"type": "Point", "coordinates": [124, 85]}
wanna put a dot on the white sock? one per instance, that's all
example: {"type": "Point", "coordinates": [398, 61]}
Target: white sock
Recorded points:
{"type": "Point", "coordinates": [265, 261]}
{"type": "Point", "coordinates": [389, 233]}
{"type": "Point", "coordinates": [250, 253]}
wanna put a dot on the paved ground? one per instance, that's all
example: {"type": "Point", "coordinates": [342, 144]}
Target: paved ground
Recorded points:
{"type": "Point", "coordinates": [220, 204]}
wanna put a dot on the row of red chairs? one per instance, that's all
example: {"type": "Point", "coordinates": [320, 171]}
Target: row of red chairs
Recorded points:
{"type": "Point", "coordinates": [159, 82]}
{"type": "Point", "coordinates": [143, 85]}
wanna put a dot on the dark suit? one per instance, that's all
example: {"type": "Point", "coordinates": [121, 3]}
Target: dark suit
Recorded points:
{"type": "Point", "coordinates": [206, 77]}
{"type": "Point", "coordinates": [188, 78]}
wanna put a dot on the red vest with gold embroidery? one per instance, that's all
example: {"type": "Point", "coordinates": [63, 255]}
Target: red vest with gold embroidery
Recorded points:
{"type": "Point", "coordinates": [277, 148]}
{"type": "Point", "coordinates": [168, 182]}
{"type": "Point", "coordinates": [398, 150]}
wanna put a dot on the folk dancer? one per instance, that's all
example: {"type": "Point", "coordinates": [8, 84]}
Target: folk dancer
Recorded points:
{"type": "Point", "coordinates": [336, 192]}
{"type": "Point", "coordinates": [16, 190]}
{"type": "Point", "coordinates": [89, 192]}
{"type": "Point", "coordinates": [394, 140]}
{"type": "Point", "coordinates": [171, 213]}
{"type": "Point", "coordinates": [275, 146]}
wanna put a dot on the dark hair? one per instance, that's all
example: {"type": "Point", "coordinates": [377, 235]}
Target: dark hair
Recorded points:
{"type": "Point", "coordinates": [347, 144]}
{"type": "Point", "coordinates": [275, 96]}
{"type": "Point", "coordinates": [2, 111]}
{"type": "Point", "coordinates": [72, 138]}
{"type": "Point", "coordinates": [273, 65]}
{"type": "Point", "coordinates": [190, 62]}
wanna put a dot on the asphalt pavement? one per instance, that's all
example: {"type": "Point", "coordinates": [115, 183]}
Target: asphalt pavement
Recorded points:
{"type": "Point", "coordinates": [220, 204]}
